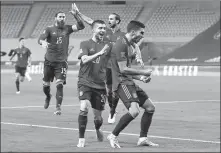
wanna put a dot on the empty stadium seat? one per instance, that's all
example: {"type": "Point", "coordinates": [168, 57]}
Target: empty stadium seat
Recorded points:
{"type": "Point", "coordinates": [181, 19]}
{"type": "Point", "coordinates": [12, 19]}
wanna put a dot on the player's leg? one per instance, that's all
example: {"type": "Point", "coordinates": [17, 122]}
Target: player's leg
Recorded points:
{"type": "Point", "coordinates": [149, 109]}
{"type": "Point", "coordinates": [60, 75]}
{"type": "Point", "coordinates": [27, 74]}
{"type": "Point", "coordinates": [130, 99]}
{"type": "Point", "coordinates": [98, 104]}
{"type": "Point", "coordinates": [17, 77]}
{"type": "Point", "coordinates": [48, 76]}
{"type": "Point", "coordinates": [22, 73]}
{"type": "Point", "coordinates": [112, 99]}
{"type": "Point", "coordinates": [17, 83]}
{"type": "Point", "coordinates": [84, 93]}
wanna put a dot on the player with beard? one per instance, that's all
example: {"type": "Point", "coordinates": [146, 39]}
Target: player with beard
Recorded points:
{"type": "Point", "coordinates": [55, 39]}
{"type": "Point", "coordinates": [94, 56]}
{"type": "Point", "coordinates": [113, 33]}
{"type": "Point", "coordinates": [131, 95]}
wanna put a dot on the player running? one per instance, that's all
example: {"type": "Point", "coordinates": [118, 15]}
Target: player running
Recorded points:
{"type": "Point", "coordinates": [113, 33]}
{"type": "Point", "coordinates": [55, 39]}
{"type": "Point", "coordinates": [131, 95]}
{"type": "Point", "coordinates": [23, 60]}
{"type": "Point", "coordinates": [94, 56]}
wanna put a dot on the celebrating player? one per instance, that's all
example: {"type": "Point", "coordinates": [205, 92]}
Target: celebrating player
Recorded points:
{"type": "Point", "coordinates": [56, 39]}
{"type": "Point", "coordinates": [94, 56]}
{"type": "Point", "coordinates": [23, 60]}
{"type": "Point", "coordinates": [131, 95]}
{"type": "Point", "coordinates": [113, 33]}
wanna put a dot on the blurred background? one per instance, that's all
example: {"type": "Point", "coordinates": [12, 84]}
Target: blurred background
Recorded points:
{"type": "Point", "coordinates": [177, 32]}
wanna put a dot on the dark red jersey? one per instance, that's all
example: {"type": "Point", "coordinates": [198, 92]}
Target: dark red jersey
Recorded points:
{"type": "Point", "coordinates": [93, 74]}
{"type": "Point", "coordinates": [58, 40]}
{"type": "Point", "coordinates": [22, 56]}
{"type": "Point", "coordinates": [121, 51]}
{"type": "Point", "coordinates": [112, 37]}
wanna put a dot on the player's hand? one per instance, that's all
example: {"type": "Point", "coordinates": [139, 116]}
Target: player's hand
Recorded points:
{"type": "Point", "coordinates": [139, 60]}
{"type": "Point", "coordinates": [74, 9]}
{"type": "Point", "coordinates": [29, 64]}
{"type": "Point", "coordinates": [145, 79]}
{"type": "Point", "coordinates": [148, 73]}
{"type": "Point", "coordinates": [104, 50]}
{"type": "Point", "coordinates": [44, 44]}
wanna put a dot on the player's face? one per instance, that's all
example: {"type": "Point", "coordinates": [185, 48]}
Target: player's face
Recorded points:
{"type": "Point", "coordinates": [112, 21]}
{"type": "Point", "coordinates": [22, 42]}
{"type": "Point", "coordinates": [138, 35]}
{"type": "Point", "coordinates": [60, 19]}
{"type": "Point", "coordinates": [99, 31]}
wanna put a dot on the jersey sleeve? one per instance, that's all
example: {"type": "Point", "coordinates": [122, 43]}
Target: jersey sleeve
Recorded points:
{"type": "Point", "coordinates": [119, 50]}
{"type": "Point", "coordinates": [29, 52]}
{"type": "Point", "coordinates": [44, 34]}
{"type": "Point", "coordinates": [69, 29]}
{"type": "Point", "coordinates": [83, 49]}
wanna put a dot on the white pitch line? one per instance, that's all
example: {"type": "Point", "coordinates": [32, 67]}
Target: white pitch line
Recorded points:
{"type": "Point", "coordinates": [128, 134]}
{"type": "Point", "coordinates": [160, 102]}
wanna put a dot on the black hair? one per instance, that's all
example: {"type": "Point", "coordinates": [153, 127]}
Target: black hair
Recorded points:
{"type": "Point", "coordinates": [117, 17]}
{"type": "Point", "coordinates": [20, 39]}
{"type": "Point", "coordinates": [135, 25]}
{"type": "Point", "coordinates": [97, 22]}
{"type": "Point", "coordinates": [58, 13]}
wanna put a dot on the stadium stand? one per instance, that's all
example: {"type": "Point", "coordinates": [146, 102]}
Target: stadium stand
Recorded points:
{"type": "Point", "coordinates": [181, 18]}
{"type": "Point", "coordinates": [92, 10]}
{"type": "Point", "coordinates": [12, 19]}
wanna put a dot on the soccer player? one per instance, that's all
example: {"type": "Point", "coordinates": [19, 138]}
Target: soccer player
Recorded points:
{"type": "Point", "coordinates": [56, 39]}
{"type": "Point", "coordinates": [94, 56]}
{"type": "Point", "coordinates": [113, 33]}
{"type": "Point", "coordinates": [131, 95]}
{"type": "Point", "coordinates": [23, 60]}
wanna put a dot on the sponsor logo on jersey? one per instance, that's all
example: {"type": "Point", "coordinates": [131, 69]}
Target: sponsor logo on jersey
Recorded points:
{"type": "Point", "coordinates": [92, 50]}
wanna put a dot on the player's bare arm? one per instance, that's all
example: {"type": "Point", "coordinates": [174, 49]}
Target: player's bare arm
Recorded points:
{"type": "Point", "coordinates": [84, 17]}
{"type": "Point", "coordinates": [80, 24]}
{"type": "Point", "coordinates": [131, 71]}
{"type": "Point", "coordinates": [86, 58]}
{"type": "Point", "coordinates": [142, 78]}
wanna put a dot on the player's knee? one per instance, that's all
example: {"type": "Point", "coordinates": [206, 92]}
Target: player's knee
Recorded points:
{"type": "Point", "coordinates": [98, 121]}
{"type": "Point", "coordinates": [22, 79]}
{"type": "Point", "coordinates": [83, 113]}
{"type": "Point", "coordinates": [109, 90]}
{"type": "Point", "coordinates": [84, 106]}
{"type": "Point", "coordinates": [58, 81]}
{"type": "Point", "coordinates": [59, 86]}
{"type": "Point", "coordinates": [134, 109]}
{"type": "Point", "coordinates": [45, 84]}
{"type": "Point", "coordinates": [150, 108]}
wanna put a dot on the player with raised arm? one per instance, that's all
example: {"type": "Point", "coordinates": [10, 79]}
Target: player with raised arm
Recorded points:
{"type": "Point", "coordinates": [55, 39]}
{"type": "Point", "coordinates": [113, 33]}
{"type": "Point", "coordinates": [131, 95]}
{"type": "Point", "coordinates": [94, 56]}
{"type": "Point", "coordinates": [23, 60]}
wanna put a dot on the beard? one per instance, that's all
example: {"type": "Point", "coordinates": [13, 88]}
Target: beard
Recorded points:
{"type": "Point", "coordinates": [112, 25]}
{"type": "Point", "coordinates": [60, 24]}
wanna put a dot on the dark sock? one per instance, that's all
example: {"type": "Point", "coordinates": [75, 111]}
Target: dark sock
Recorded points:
{"type": "Point", "coordinates": [82, 123]}
{"type": "Point", "coordinates": [98, 123]}
{"type": "Point", "coordinates": [17, 85]}
{"type": "Point", "coordinates": [115, 101]}
{"type": "Point", "coordinates": [109, 99]}
{"type": "Point", "coordinates": [46, 90]}
{"type": "Point", "coordinates": [124, 121]}
{"type": "Point", "coordinates": [59, 94]}
{"type": "Point", "coordinates": [145, 123]}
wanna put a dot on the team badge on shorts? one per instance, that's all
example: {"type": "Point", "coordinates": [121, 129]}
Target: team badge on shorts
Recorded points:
{"type": "Point", "coordinates": [81, 93]}
{"type": "Point", "coordinates": [134, 95]}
